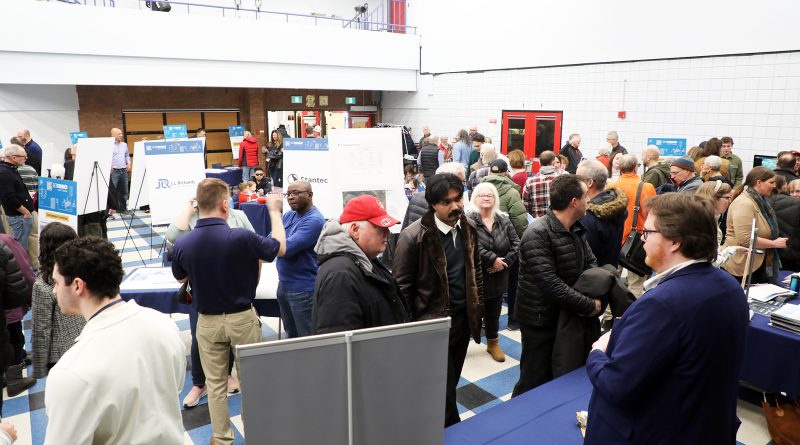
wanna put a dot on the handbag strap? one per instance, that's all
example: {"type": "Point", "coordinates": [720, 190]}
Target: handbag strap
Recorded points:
{"type": "Point", "coordinates": [636, 207]}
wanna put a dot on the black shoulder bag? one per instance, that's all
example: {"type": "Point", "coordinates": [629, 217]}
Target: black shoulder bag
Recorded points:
{"type": "Point", "coordinates": [632, 254]}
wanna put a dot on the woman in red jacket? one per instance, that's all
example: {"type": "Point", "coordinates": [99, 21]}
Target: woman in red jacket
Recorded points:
{"type": "Point", "coordinates": [248, 155]}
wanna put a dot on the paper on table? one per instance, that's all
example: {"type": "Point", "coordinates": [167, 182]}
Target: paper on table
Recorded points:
{"type": "Point", "coordinates": [150, 278]}
{"type": "Point", "coordinates": [766, 292]}
{"type": "Point", "coordinates": [789, 311]}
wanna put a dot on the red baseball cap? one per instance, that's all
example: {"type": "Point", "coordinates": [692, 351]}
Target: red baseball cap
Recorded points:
{"type": "Point", "coordinates": [367, 208]}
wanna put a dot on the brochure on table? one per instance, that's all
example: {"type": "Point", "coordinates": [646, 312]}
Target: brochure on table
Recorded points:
{"type": "Point", "coordinates": [93, 183]}
{"type": "Point", "coordinates": [236, 133]}
{"type": "Point", "coordinates": [150, 278]}
{"type": "Point", "coordinates": [58, 202]}
{"type": "Point", "coordinates": [174, 168]}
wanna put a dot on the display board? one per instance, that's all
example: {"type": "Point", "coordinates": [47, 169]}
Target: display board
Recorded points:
{"type": "Point", "coordinates": [364, 160]}
{"type": "Point", "coordinates": [174, 168]}
{"type": "Point", "coordinates": [58, 202]}
{"type": "Point", "coordinates": [50, 156]}
{"type": "Point", "coordinates": [139, 195]}
{"type": "Point", "coordinates": [354, 390]}
{"type": "Point", "coordinates": [178, 131]}
{"type": "Point", "coordinates": [669, 146]}
{"type": "Point", "coordinates": [236, 133]}
{"type": "Point", "coordinates": [309, 159]}
{"type": "Point", "coordinates": [93, 183]}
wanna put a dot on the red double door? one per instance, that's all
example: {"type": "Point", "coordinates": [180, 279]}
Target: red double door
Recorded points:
{"type": "Point", "coordinates": [531, 131]}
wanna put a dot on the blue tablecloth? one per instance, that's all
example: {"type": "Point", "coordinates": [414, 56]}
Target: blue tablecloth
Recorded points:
{"type": "Point", "coordinates": [233, 176]}
{"type": "Point", "coordinates": [772, 357]}
{"type": "Point", "coordinates": [162, 300]}
{"type": "Point", "coordinates": [542, 415]}
{"type": "Point", "coordinates": [258, 216]}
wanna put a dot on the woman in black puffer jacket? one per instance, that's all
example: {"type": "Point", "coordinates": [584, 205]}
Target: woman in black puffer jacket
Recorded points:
{"type": "Point", "coordinates": [498, 244]}
{"type": "Point", "coordinates": [787, 210]}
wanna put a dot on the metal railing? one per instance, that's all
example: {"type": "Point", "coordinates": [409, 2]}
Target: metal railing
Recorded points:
{"type": "Point", "coordinates": [370, 21]}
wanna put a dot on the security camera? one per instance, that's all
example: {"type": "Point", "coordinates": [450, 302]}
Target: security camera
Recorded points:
{"type": "Point", "coordinates": [360, 9]}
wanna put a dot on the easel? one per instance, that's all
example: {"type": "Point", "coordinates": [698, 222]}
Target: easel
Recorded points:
{"type": "Point", "coordinates": [748, 265]}
{"type": "Point", "coordinates": [129, 226]}
{"type": "Point", "coordinates": [94, 180]}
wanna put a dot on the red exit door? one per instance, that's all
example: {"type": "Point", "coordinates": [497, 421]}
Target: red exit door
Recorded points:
{"type": "Point", "coordinates": [531, 131]}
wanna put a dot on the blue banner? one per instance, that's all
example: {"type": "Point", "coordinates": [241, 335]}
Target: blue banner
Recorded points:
{"type": "Point", "coordinates": [235, 130]}
{"type": "Point", "coordinates": [173, 147]}
{"type": "Point", "coordinates": [306, 144]}
{"type": "Point", "coordinates": [75, 135]}
{"type": "Point", "coordinates": [669, 146]}
{"type": "Point", "coordinates": [58, 195]}
{"type": "Point", "coordinates": [175, 131]}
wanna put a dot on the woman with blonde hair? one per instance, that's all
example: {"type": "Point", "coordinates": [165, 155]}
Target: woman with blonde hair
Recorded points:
{"type": "Point", "coordinates": [719, 193]}
{"type": "Point", "coordinates": [498, 245]}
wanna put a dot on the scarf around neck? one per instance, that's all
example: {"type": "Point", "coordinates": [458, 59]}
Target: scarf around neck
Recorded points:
{"type": "Point", "coordinates": [771, 258]}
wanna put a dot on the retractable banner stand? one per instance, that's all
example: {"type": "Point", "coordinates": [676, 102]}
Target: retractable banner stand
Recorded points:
{"type": "Point", "coordinates": [139, 195]}
{"type": "Point", "coordinates": [365, 161]}
{"type": "Point", "coordinates": [309, 160]}
{"type": "Point", "coordinates": [236, 133]}
{"type": "Point", "coordinates": [58, 202]}
{"type": "Point", "coordinates": [93, 173]}
{"type": "Point", "coordinates": [50, 156]}
{"type": "Point", "coordinates": [174, 168]}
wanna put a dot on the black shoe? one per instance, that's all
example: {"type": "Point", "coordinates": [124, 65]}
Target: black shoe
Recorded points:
{"type": "Point", "coordinates": [28, 361]}
{"type": "Point", "coordinates": [513, 326]}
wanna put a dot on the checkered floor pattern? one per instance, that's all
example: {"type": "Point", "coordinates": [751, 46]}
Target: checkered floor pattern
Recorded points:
{"type": "Point", "coordinates": [484, 383]}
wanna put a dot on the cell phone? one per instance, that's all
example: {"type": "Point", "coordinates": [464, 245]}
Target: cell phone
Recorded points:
{"type": "Point", "coordinates": [794, 283]}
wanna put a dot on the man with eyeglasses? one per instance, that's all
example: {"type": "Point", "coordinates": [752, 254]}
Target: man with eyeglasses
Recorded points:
{"type": "Point", "coordinates": [684, 175]}
{"type": "Point", "coordinates": [14, 196]}
{"type": "Point", "coordinates": [297, 269]}
{"type": "Point", "coordinates": [687, 331]}
{"type": "Point", "coordinates": [613, 139]}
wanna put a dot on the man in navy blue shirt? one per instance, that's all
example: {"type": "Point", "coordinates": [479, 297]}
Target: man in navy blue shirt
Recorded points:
{"type": "Point", "coordinates": [297, 270]}
{"type": "Point", "coordinates": [33, 150]}
{"type": "Point", "coordinates": [223, 267]}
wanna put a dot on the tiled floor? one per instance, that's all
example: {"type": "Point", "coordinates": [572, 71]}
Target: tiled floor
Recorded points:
{"type": "Point", "coordinates": [484, 382]}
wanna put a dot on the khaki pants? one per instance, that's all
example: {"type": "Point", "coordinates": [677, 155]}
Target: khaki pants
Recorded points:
{"type": "Point", "coordinates": [636, 283]}
{"type": "Point", "coordinates": [215, 336]}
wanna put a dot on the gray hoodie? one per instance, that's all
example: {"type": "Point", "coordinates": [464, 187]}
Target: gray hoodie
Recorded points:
{"type": "Point", "coordinates": [334, 240]}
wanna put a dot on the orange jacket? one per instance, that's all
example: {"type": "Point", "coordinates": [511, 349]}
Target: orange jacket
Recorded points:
{"type": "Point", "coordinates": [629, 182]}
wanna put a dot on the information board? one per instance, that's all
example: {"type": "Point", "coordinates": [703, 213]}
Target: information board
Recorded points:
{"type": "Point", "coordinates": [174, 168]}
{"type": "Point", "coordinates": [669, 146]}
{"type": "Point", "coordinates": [175, 131]}
{"type": "Point", "coordinates": [58, 202]}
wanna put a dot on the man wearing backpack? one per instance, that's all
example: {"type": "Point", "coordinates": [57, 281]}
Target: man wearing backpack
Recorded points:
{"type": "Point", "coordinates": [656, 173]}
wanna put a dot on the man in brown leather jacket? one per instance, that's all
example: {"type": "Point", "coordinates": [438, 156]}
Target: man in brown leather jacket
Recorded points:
{"type": "Point", "coordinates": [437, 266]}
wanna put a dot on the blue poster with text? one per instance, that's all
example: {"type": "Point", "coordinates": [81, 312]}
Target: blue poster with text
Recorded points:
{"type": "Point", "coordinates": [58, 195]}
{"type": "Point", "coordinates": [175, 131]}
{"type": "Point", "coordinates": [75, 135]}
{"type": "Point", "coordinates": [306, 144]}
{"type": "Point", "coordinates": [173, 147]}
{"type": "Point", "coordinates": [669, 146]}
{"type": "Point", "coordinates": [235, 130]}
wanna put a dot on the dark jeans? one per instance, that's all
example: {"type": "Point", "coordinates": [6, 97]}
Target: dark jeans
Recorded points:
{"type": "Point", "coordinates": [536, 362]}
{"type": "Point", "coordinates": [119, 185]}
{"type": "Point", "coordinates": [17, 339]}
{"type": "Point", "coordinates": [511, 293]}
{"type": "Point", "coordinates": [198, 376]}
{"type": "Point", "coordinates": [277, 175]}
{"type": "Point", "coordinates": [295, 311]}
{"type": "Point", "coordinates": [456, 354]}
{"type": "Point", "coordinates": [491, 316]}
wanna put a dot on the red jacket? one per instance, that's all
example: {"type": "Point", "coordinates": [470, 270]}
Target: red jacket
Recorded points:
{"type": "Point", "coordinates": [249, 146]}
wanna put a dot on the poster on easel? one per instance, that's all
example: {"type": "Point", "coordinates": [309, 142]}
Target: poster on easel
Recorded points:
{"type": "Point", "coordinates": [363, 161]}
{"type": "Point", "coordinates": [174, 168]}
{"type": "Point", "coordinates": [93, 173]}
{"type": "Point", "coordinates": [58, 202]}
{"type": "Point", "coordinates": [308, 160]}
{"type": "Point", "coordinates": [236, 133]}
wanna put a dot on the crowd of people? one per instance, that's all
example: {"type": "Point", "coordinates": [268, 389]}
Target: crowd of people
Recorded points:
{"type": "Point", "coordinates": [481, 227]}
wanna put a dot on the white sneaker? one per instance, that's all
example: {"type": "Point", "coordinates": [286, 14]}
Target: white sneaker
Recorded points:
{"type": "Point", "coordinates": [195, 394]}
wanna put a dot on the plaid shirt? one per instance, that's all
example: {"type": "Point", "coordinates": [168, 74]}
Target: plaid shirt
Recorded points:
{"type": "Point", "coordinates": [53, 332]}
{"type": "Point", "coordinates": [536, 194]}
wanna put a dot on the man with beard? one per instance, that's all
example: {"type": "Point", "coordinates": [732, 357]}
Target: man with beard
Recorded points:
{"type": "Point", "coordinates": [437, 266]}
{"type": "Point", "coordinates": [686, 332]}
{"type": "Point", "coordinates": [297, 268]}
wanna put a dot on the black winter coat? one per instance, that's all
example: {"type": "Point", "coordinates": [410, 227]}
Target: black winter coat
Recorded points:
{"type": "Point", "coordinates": [417, 207]}
{"type": "Point", "coordinates": [502, 242]}
{"type": "Point", "coordinates": [429, 160]}
{"type": "Point", "coordinates": [787, 209]}
{"type": "Point", "coordinates": [552, 259]}
{"type": "Point", "coordinates": [14, 293]}
{"type": "Point", "coordinates": [573, 156]}
{"type": "Point", "coordinates": [604, 222]}
{"type": "Point", "coordinates": [349, 297]}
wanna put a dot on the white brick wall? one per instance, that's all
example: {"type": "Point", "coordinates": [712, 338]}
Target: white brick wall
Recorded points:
{"type": "Point", "coordinates": [754, 99]}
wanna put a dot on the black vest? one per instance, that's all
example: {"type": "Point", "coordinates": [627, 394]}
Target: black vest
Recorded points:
{"type": "Point", "coordinates": [429, 160]}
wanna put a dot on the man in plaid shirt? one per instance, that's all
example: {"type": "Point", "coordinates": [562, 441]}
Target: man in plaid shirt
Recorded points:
{"type": "Point", "coordinates": [536, 193]}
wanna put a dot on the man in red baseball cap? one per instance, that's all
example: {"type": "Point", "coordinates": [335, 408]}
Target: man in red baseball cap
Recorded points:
{"type": "Point", "coordinates": [354, 290]}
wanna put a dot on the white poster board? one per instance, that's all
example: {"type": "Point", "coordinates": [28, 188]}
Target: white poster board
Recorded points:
{"type": "Point", "coordinates": [365, 161]}
{"type": "Point", "coordinates": [174, 169]}
{"type": "Point", "coordinates": [139, 195]}
{"type": "Point", "coordinates": [93, 185]}
{"type": "Point", "coordinates": [309, 160]}
{"type": "Point", "coordinates": [236, 134]}
{"type": "Point", "coordinates": [50, 156]}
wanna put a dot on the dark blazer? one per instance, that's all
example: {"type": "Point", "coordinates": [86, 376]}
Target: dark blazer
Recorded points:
{"type": "Point", "coordinates": [420, 269]}
{"type": "Point", "coordinates": [670, 374]}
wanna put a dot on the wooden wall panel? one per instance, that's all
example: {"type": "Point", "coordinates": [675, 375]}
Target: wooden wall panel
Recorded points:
{"type": "Point", "coordinates": [220, 120]}
{"type": "Point", "coordinates": [222, 158]}
{"type": "Point", "coordinates": [191, 119]}
{"type": "Point", "coordinates": [144, 122]}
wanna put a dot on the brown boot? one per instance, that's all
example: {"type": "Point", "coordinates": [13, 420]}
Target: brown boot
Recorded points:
{"type": "Point", "coordinates": [493, 348]}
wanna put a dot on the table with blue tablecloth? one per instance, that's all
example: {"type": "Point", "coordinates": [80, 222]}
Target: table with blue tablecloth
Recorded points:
{"type": "Point", "coordinates": [233, 176]}
{"type": "Point", "coordinates": [258, 215]}
{"type": "Point", "coordinates": [545, 414]}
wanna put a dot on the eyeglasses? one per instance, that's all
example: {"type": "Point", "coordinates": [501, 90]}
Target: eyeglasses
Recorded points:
{"type": "Point", "coordinates": [646, 232]}
{"type": "Point", "coordinates": [19, 156]}
{"type": "Point", "coordinates": [259, 174]}
{"type": "Point", "coordinates": [674, 173]}
{"type": "Point", "coordinates": [294, 193]}
{"type": "Point", "coordinates": [486, 196]}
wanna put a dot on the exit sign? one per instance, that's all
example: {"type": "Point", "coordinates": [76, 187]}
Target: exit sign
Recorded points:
{"type": "Point", "coordinates": [350, 100]}
{"type": "Point", "coordinates": [297, 99]}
